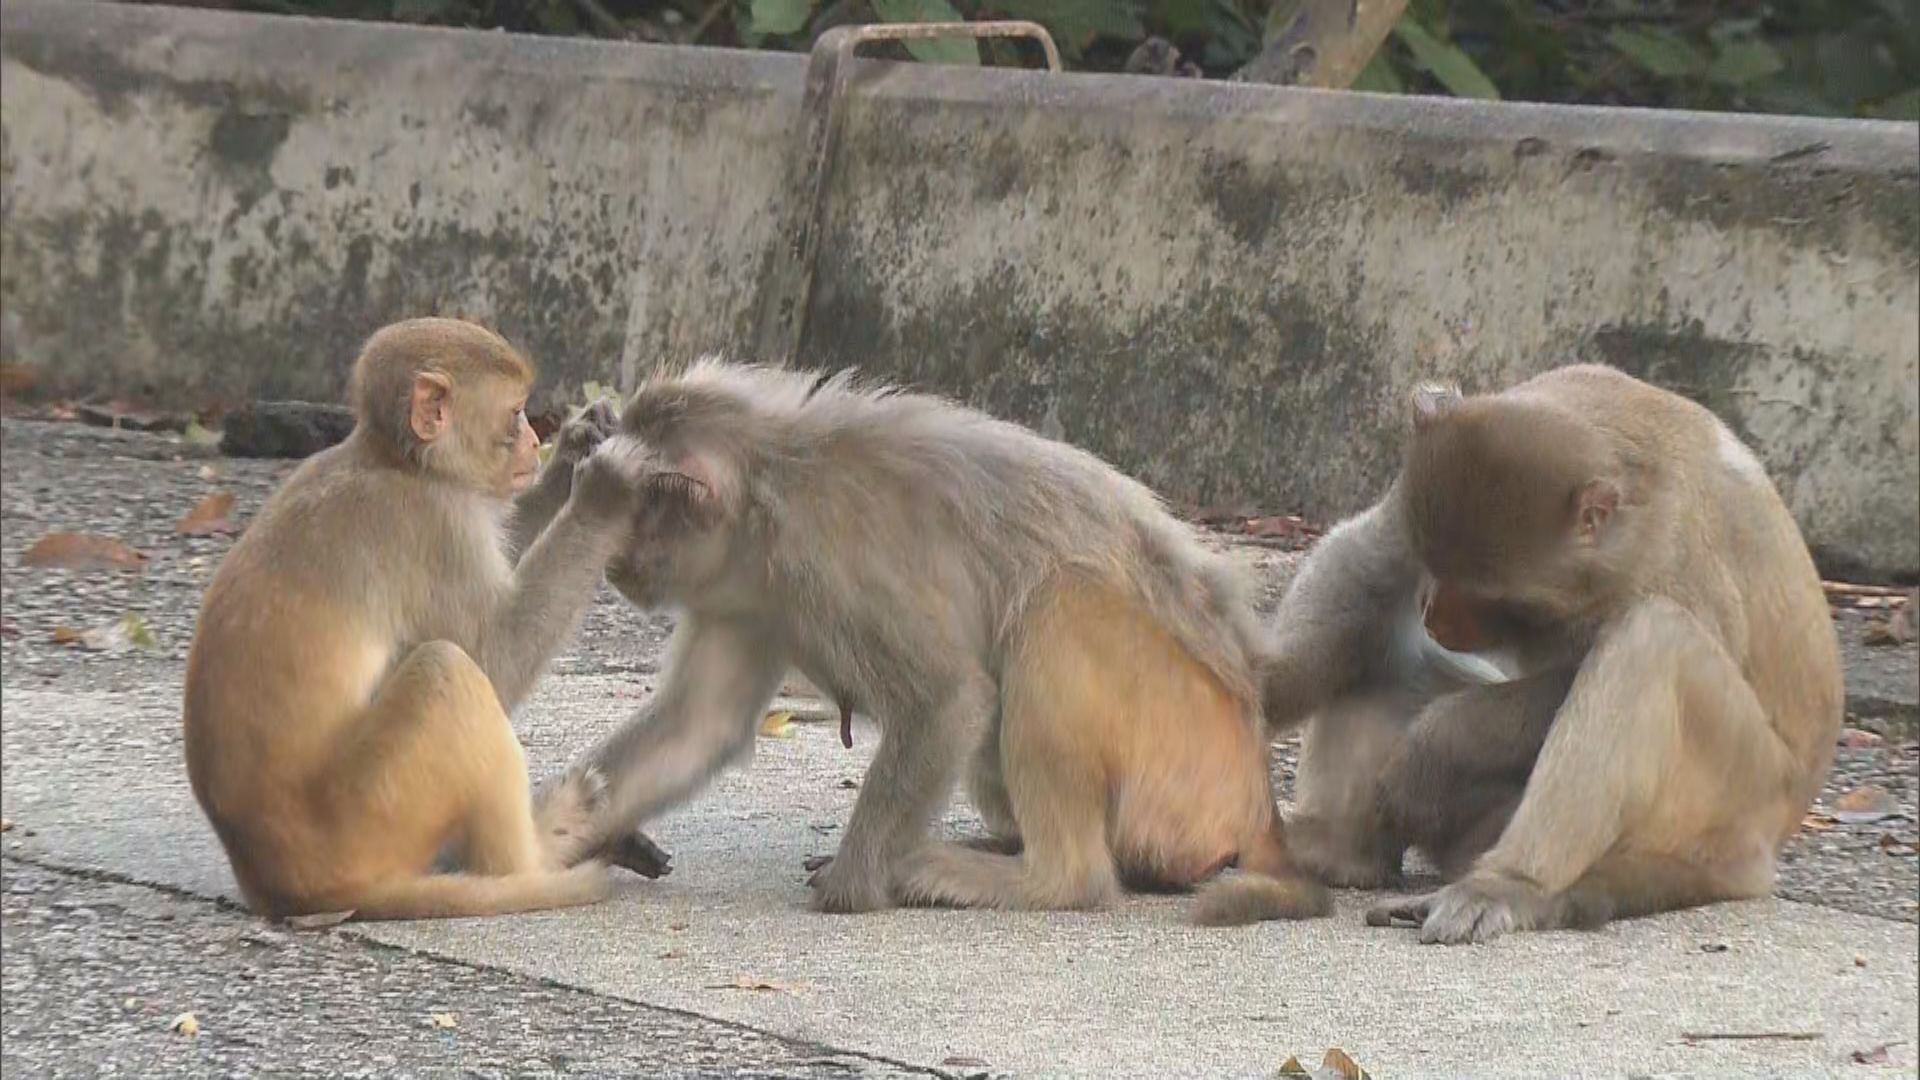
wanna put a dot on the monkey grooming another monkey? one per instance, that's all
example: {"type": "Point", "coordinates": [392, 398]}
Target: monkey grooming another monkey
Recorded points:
{"type": "Point", "coordinates": [347, 686]}
{"type": "Point", "coordinates": [1351, 650]}
{"type": "Point", "coordinates": [1679, 691]}
{"type": "Point", "coordinates": [970, 586]}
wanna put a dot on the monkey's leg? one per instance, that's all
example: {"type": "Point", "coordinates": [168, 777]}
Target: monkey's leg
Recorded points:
{"type": "Point", "coordinates": [907, 785]}
{"type": "Point", "coordinates": [987, 790]}
{"type": "Point", "coordinates": [1659, 759]}
{"type": "Point", "coordinates": [1058, 794]}
{"type": "Point", "coordinates": [1334, 834]}
{"type": "Point", "coordinates": [719, 677]}
{"type": "Point", "coordinates": [434, 748]}
{"type": "Point", "coordinates": [1452, 782]}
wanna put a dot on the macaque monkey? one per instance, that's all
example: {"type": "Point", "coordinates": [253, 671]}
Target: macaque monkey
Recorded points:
{"type": "Point", "coordinates": [971, 587]}
{"type": "Point", "coordinates": [356, 652]}
{"type": "Point", "coordinates": [1357, 649]}
{"type": "Point", "coordinates": [1677, 691]}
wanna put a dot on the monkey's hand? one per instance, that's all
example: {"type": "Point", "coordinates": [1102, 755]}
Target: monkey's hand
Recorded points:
{"type": "Point", "coordinates": [582, 433]}
{"type": "Point", "coordinates": [607, 482]}
{"type": "Point", "coordinates": [1477, 908]}
{"type": "Point", "coordinates": [637, 852]}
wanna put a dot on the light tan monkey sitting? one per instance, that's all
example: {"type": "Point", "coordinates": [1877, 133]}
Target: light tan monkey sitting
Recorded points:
{"type": "Point", "coordinates": [357, 650]}
{"type": "Point", "coordinates": [1679, 688]}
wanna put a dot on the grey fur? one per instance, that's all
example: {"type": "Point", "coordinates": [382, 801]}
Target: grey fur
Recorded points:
{"type": "Point", "coordinates": [887, 544]}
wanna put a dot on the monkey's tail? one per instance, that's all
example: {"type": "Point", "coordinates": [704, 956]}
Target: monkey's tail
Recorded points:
{"type": "Point", "coordinates": [1268, 886]}
{"type": "Point", "coordinates": [448, 896]}
{"type": "Point", "coordinates": [1249, 898]}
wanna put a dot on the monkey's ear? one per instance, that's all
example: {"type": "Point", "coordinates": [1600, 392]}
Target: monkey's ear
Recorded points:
{"type": "Point", "coordinates": [1431, 401]}
{"type": "Point", "coordinates": [689, 484]}
{"type": "Point", "coordinates": [427, 408]}
{"type": "Point", "coordinates": [1593, 507]}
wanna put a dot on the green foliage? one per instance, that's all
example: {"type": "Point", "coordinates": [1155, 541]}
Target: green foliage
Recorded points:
{"type": "Point", "coordinates": [930, 50]}
{"type": "Point", "coordinates": [1823, 57]}
{"type": "Point", "coordinates": [1449, 66]}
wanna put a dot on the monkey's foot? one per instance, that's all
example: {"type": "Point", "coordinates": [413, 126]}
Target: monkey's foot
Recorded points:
{"type": "Point", "coordinates": [1320, 850]}
{"type": "Point", "coordinates": [637, 852]}
{"type": "Point", "coordinates": [564, 815]}
{"type": "Point", "coordinates": [814, 864]}
{"type": "Point", "coordinates": [1477, 908]}
{"type": "Point", "coordinates": [840, 888]}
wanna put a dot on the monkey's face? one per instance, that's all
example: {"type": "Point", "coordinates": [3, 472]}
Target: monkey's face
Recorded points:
{"type": "Point", "coordinates": [1507, 511]}
{"type": "Point", "coordinates": [499, 439]}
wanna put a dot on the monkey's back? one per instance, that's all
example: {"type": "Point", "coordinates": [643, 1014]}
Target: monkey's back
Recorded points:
{"type": "Point", "coordinates": [1760, 592]}
{"type": "Point", "coordinates": [283, 650]}
{"type": "Point", "coordinates": [928, 500]}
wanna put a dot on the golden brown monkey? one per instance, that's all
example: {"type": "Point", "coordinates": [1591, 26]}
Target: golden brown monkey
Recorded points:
{"type": "Point", "coordinates": [1679, 686]}
{"type": "Point", "coordinates": [971, 587]}
{"type": "Point", "coordinates": [356, 652]}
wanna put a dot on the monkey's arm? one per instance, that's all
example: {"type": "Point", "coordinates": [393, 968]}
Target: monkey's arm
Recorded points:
{"type": "Point", "coordinates": [552, 586]}
{"type": "Point", "coordinates": [720, 674]}
{"type": "Point", "coordinates": [535, 507]}
{"type": "Point", "coordinates": [1335, 621]}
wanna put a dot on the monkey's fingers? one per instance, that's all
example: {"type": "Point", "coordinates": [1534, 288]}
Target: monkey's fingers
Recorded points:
{"type": "Point", "coordinates": [846, 727]}
{"type": "Point", "coordinates": [1410, 912]}
{"type": "Point", "coordinates": [637, 852]}
{"type": "Point", "coordinates": [814, 864]}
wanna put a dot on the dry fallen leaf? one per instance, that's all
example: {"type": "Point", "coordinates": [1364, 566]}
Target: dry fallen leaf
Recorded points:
{"type": "Point", "coordinates": [1816, 822]}
{"type": "Point", "coordinates": [777, 725]}
{"type": "Point", "coordinates": [82, 551]}
{"type": "Point", "coordinates": [196, 434]}
{"type": "Point", "coordinates": [963, 1062]}
{"type": "Point", "coordinates": [1895, 629]}
{"type": "Point", "coordinates": [442, 1019]}
{"type": "Point", "coordinates": [1875, 1056]}
{"type": "Point", "coordinates": [1899, 845]}
{"type": "Point", "coordinates": [185, 1024]}
{"type": "Point", "coordinates": [129, 631]}
{"type": "Point", "coordinates": [1856, 739]}
{"type": "Point", "coordinates": [1865, 804]}
{"type": "Point", "coordinates": [1292, 1067]}
{"type": "Point", "coordinates": [208, 516]}
{"type": "Point", "coordinates": [1343, 1066]}
{"type": "Point", "coordinates": [320, 921]}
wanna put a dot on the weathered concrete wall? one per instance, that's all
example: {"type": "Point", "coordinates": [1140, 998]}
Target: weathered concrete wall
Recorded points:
{"type": "Point", "coordinates": [1226, 290]}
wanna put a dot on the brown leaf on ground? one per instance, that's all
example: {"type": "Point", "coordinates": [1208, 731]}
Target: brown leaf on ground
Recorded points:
{"type": "Point", "coordinates": [82, 551]}
{"type": "Point", "coordinates": [1280, 526]}
{"type": "Point", "coordinates": [1895, 629]}
{"type": "Point", "coordinates": [320, 921]}
{"type": "Point", "coordinates": [963, 1062]}
{"type": "Point", "coordinates": [1899, 845]}
{"type": "Point", "coordinates": [1856, 739]}
{"type": "Point", "coordinates": [185, 1024]}
{"type": "Point", "coordinates": [1292, 1067]}
{"type": "Point", "coordinates": [1864, 805]}
{"type": "Point", "coordinates": [1875, 1056]}
{"type": "Point", "coordinates": [442, 1020]}
{"type": "Point", "coordinates": [129, 631]}
{"type": "Point", "coordinates": [208, 516]}
{"type": "Point", "coordinates": [1343, 1066]}
{"type": "Point", "coordinates": [1816, 822]}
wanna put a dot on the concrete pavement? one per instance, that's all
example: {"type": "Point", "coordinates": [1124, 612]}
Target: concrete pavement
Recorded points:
{"type": "Point", "coordinates": [93, 772]}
